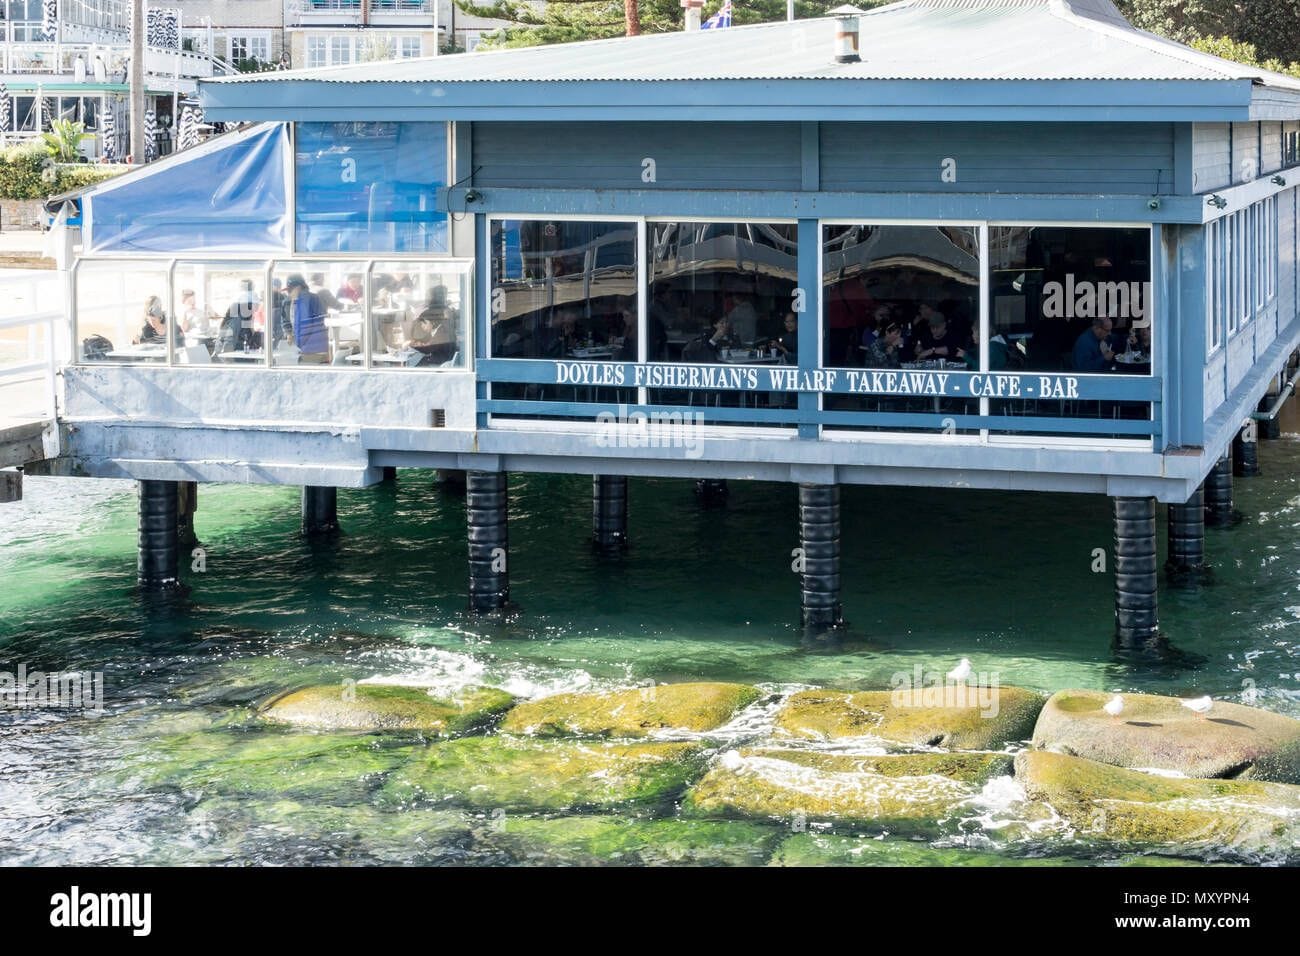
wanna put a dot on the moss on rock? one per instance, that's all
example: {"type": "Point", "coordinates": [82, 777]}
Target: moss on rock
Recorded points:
{"type": "Point", "coordinates": [333, 767]}
{"type": "Point", "coordinates": [838, 849]}
{"type": "Point", "coordinates": [1133, 807]}
{"type": "Point", "coordinates": [892, 789]}
{"type": "Point", "coordinates": [970, 719]}
{"type": "Point", "coordinates": [371, 707]}
{"type": "Point", "coordinates": [637, 712]}
{"type": "Point", "coordinates": [587, 840]}
{"type": "Point", "coordinates": [513, 773]}
{"type": "Point", "coordinates": [1160, 733]}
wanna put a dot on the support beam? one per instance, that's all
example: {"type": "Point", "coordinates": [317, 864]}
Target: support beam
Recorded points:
{"type": "Point", "coordinates": [1185, 566]}
{"type": "Point", "coordinates": [1136, 581]}
{"type": "Point", "coordinates": [157, 553]}
{"type": "Point", "coordinates": [1245, 451]}
{"type": "Point", "coordinates": [187, 502]}
{"type": "Point", "coordinates": [487, 517]}
{"type": "Point", "coordinates": [819, 539]}
{"type": "Point", "coordinates": [320, 514]}
{"type": "Point", "coordinates": [609, 513]}
{"type": "Point", "coordinates": [1219, 512]}
{"type": "Point", "coordinates": [11, 486]}
{"type": "Point", "coordinates": [711, 491]}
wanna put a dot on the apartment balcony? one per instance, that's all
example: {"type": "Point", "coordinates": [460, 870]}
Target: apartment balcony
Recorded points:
{"type": "Point", "coordinates": [59, 62]}
{"type": "Point", "coordinates": [326, 13]}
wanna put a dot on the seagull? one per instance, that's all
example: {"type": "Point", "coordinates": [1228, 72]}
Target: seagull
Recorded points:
{"type": "Point", "coordinates": [1114, 706]}
{"type": "Point", "coordinates": [961, 671]}
{"type": "Point", "coordinates": [1200, 706]}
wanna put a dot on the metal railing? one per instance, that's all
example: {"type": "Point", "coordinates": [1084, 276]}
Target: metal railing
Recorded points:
{"type": "Point", "coordinates": [33, 333]}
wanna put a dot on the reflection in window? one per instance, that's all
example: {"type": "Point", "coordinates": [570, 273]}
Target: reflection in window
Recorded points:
{"type": "Point", "coordinates": [901, 297]}
{"type": "Point", "coordinates": [1071, 298]}
{"type": "Point", "coordinates": [371, 187]}
{"type": "Point", "coordinates": [564, 289]}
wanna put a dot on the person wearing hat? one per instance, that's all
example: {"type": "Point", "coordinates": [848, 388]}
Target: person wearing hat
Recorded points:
{"type": "Point", "coordinates": [937, 339]}
{"type": "Point", "coordinates": [308, 317]}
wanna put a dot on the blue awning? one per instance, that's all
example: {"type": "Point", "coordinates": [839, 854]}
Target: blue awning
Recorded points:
{"type": "Point", "coordinates": [228, 195]}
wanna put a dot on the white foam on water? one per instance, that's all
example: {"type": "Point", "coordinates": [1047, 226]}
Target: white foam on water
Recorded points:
{"type": "Point", "coordinates": [447, 672]}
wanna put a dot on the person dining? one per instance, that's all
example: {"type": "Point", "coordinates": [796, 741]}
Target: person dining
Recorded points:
{"type": "Point", "coordinates": [787, 344]}
{"type": "Point", "coordinates": [351, 290]}
{"type": "Point", "coordinates": [236, 332]}
{"type": "Point", "coordinates": [742, 318]}
{"type": "Point", "coordinates": [937, 339]}
{"type": "Point", "coordinates": [154, 331]}
{"type": "Point", "coordinates": [1092, 351]}
{"type": "Point", "coordinates": [884, 348]}
{"type": "Point", "coordinates": [433, 331]}
{"type": "Point", "coordinates": [1139, 339]}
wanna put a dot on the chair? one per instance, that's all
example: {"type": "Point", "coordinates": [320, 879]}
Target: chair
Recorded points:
{"type": "Point", "coordinates": [195, 355]}
{"type": "Point", "coordinates": [342, 354]}
{"type": "Point", "coordinates": [287, 355]}
{"type": "Point", "coordinates": [451, 362]}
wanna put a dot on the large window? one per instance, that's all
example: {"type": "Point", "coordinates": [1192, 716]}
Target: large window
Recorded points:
{"type": "Point", "coordinates": [370, 187]}
{"type": "Point", "coordinates": [250, 46]}
{"type": "Point", "coordinates": [1241, 264]}
{"type": "Point", "coordinates": [563, 288]}
{"type": "Point", "coordinates": [317, 52]}
{"type": "Point", "coordinates": [123, 309]}
{"type": "Point", "coordinates": [220, 312]}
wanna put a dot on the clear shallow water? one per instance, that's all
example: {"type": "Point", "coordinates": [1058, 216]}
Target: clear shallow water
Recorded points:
{"type": "Point", "coordinates": [704, 594]}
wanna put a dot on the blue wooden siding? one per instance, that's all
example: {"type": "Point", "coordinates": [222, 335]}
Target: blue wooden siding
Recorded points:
{"type": "Point", "coordinates": [1211, 156]}
{"type": "Point", "coordinates": [1125, 158]}
{"type": "Point", "coordinates": [1271, 137]}
{"type": "Point", "coordinates": [610, 155]}
{"type": "Point", "coordinates": [1245, 152]}
{"type": "Point", "coordinates": [1287, 251]}
{"type": "Point", "coordinates": [1087, 158]}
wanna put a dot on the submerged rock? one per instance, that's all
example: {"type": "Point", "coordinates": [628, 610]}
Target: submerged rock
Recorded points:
{"type": "Point", "coordinates": [1157, 732]}
{"type": "Point", "coordinates": [838, 849]}
{"type": "Point", "coordinates": [336, 768]}
{"type": "Point", "coordinates": [1134, 807]}
{"type": "Point", "coordinates": [507, 772]}
{"type": "Point", "coordinates": [388, 707]}
{"type": "Point", "coordinates": [637, 712]}
{"type": "Point", "coordinates": [812, 786]}
{"type": "Point", "coordinates": [984, 718]}
{"type": "Point", "coordinates": [587, 840]}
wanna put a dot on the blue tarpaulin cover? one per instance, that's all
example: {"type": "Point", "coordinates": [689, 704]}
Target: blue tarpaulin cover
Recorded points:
{"type": "Point", "coordinates": [227, 195]}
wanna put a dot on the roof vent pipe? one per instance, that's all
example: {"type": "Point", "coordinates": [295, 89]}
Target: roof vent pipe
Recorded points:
{"type": "Point", "coordinates": [846, 33]}
{"type": "Point", "coordinates": [693, 8]}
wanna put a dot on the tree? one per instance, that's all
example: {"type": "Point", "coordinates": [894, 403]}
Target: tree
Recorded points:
{"type": "Point", "coordinates": [565, 21]}
{"type": "Point", "coordinates": [1272, 27]}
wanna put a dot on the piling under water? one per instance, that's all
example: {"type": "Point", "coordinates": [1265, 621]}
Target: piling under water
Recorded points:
{"type": "Point", "coordinates": [487, 502]}
{"type": "Point", "coordinates": [320, 515]}
{"type": "Point", "coordinates": [1136, 579]}
{"type": "Point", "coordinates": [609, 513]}
{"type": "Point", "coordinates": [157, 554]}
{"type": "Point", "coordinates": [819, 540]}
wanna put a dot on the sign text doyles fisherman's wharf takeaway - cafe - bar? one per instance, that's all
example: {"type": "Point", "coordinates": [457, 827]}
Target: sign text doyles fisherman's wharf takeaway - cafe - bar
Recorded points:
{"type": "Point", "coordinates": [829, 380]}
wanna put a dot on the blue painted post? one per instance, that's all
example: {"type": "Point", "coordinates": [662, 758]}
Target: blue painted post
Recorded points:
{"type": "Point", "coordinates": [1136, 580]}
{"type": "Point", "coordinates": [1182, 328]}
{"type": "Point", "coordinates": [157, 553]}
{"type": "Point", "coordinates": [810, 320]}
{"type": "Point", "coordinates": [487, 519]}
{"type": "Point", "coordinates": [482, 312]}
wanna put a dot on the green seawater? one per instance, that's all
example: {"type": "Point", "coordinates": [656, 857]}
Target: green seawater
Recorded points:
{"type": "Point", "coordinates": [179, 771]}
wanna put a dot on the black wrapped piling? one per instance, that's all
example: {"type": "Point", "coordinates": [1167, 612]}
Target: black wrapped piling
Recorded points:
{"type": "Point", "coordinates": [486, 514]}
{"type": "Point", "coordinates": [1136, 580]}
{"type": "Point", "coordinates": [819, 541]}
{"type": "Point", "coordinates": [320, 514]}
{"type": "Point", "coordinates": [1185, 566]}
{"type": "Point", "coordinates": [609, 513]}
{"type": "Point", "coordinates": [1219, 512]}
{"type": "Point", "coordinates": [158, 551]}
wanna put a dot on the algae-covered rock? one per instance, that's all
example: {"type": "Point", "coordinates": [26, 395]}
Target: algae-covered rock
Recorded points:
{"type": "Point", "coordinates": [632, 713]}
{"type": "Point", "coordinates": [822, 786]}
{"type": "Point", "coordinates": [1133, 807]}
{"type": "Point", "coordinates": [839, 849]}
{"type": "Point", "coordinates": [507, 772]}
{"type": "Point", "coordinates": [628, 841]}
{"type": "Point", "coordinates": [960, 718]}
{"type": "Point", "coordinates": [1160, 733]}
{"type": "Point", "coordinates": [373, 707]}
{"type": "Point", "coordinates": [332, 767]}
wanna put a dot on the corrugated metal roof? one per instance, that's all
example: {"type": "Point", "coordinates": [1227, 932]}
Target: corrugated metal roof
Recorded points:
{"type": "Point", "coordinates": [910, 40]}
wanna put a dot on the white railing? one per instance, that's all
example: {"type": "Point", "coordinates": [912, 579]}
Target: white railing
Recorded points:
{"type": "Point", "coordinates": [33, 333]}
{"type": "Point", "coordinates": [59, 60]}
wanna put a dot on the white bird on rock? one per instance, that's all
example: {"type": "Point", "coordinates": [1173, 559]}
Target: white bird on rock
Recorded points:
{"type": "Point", "coordinates": [1200, 706]}
{"type": "Point", "coordinates": [961, 671]}
{"type": "Point", "coordinates": [1114, 706]}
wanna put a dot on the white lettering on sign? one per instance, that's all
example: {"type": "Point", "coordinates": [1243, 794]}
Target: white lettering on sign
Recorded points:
{"type": "Point", "coordinates": [749, 378]}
